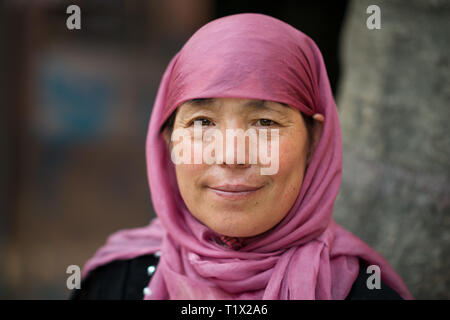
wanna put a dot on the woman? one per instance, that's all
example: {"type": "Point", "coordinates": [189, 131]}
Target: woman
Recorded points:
{"type": "Point", "coordinates": [226, 230]}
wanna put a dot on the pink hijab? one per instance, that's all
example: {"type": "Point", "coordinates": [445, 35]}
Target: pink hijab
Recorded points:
{"type": "Point", "coordinates": [307, 255]}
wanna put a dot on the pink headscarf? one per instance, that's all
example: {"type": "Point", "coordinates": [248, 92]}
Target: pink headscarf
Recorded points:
{"type": "Point", "coordinates": [307, 255]}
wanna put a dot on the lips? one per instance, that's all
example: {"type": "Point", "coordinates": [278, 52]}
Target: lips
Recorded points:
{"type": "Point", "coordinates": [234, 191]}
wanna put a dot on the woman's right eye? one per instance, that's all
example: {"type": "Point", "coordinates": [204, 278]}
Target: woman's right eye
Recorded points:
{"type": "Point", "coordinates": [202, 121]}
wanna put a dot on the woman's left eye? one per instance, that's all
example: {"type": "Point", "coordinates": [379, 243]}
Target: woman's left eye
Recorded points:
{"type": "Point", "coordinates": [265, 122]}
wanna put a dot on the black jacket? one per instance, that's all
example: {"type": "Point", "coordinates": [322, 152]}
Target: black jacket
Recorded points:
{"type": "Point", "coordinates": [126, 279]}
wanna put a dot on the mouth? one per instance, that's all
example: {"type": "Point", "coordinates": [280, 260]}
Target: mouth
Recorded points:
{"type": "Point", "coordinates": [234, 191]}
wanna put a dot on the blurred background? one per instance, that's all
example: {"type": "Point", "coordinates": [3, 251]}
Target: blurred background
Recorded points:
{"type": "Point", "coordinates": [75, 106]}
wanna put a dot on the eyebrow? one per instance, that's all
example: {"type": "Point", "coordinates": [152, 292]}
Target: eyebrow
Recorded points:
{"type": "Point", "coordinates": [263, 104]}
{"type": "Point", "coordinates": [253, 104]}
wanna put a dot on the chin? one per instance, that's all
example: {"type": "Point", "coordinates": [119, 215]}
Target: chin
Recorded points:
{"type": "Point", "coordinates": [237, 222]}
{"type": "Point", "coordinates": [231, 231]}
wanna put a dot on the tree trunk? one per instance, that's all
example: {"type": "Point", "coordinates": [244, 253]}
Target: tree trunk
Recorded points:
{"type": "Point", "coordinates": [394, 107]}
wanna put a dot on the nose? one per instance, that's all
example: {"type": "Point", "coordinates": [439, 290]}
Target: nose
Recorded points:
{"type": "Point", "coordinates": [237, 146]}
{"type": "Point", "coordinates": [236, 165]}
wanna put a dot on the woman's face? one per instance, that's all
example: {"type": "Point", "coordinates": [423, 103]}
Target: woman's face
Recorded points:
{"type": "Point", "coordinates": [236, 199]}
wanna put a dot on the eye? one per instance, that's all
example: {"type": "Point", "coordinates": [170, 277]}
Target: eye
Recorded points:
{"type": "Point", "coordinates": [203, 121]}
{"type": "Point", "coordinates": [265, 122]}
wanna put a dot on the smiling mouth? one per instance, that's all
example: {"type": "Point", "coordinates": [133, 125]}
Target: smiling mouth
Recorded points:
{"type": "Point", "coordinates": [234, 192]}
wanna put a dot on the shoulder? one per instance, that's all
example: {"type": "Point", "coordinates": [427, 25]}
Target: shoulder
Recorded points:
{"type": "Point", "coordinates": [118, 280]}
{"type": "Point", "coordinates": [360, 290]}
{"type": "Point", "coordinates": [125, 280]}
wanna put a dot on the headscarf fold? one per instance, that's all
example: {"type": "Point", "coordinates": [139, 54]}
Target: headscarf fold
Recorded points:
{"type": "Point", "coordinates": [307, 255]}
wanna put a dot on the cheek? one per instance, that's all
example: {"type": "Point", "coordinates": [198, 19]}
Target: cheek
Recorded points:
{"type": "Point", "coordinates": [292, 160]}
{"type": "Point", "coordinates": [187, 172]}
{"type": "Point", "coordinates": [188, 175]}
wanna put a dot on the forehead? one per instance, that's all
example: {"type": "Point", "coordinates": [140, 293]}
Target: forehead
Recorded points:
{"type": "Point", "coordinates": [216, 104]}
